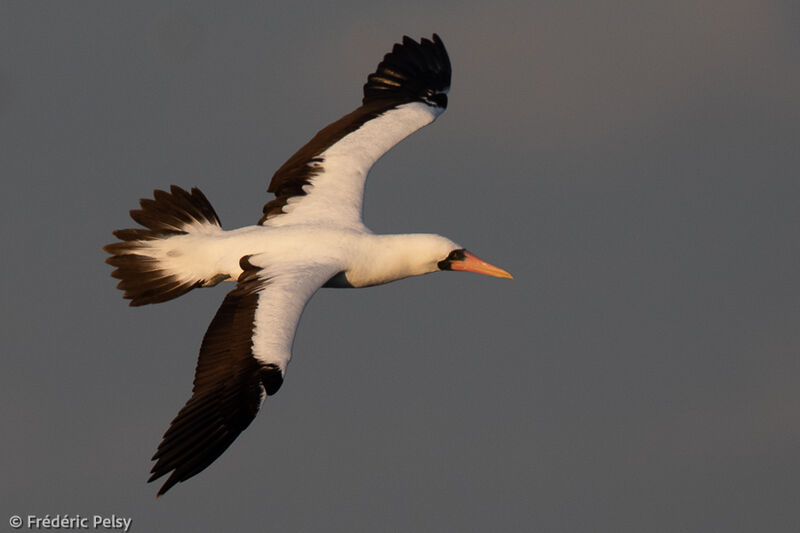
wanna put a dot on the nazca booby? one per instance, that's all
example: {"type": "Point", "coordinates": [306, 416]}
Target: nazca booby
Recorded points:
{"type": "Point", "coordinates": [311, 235]}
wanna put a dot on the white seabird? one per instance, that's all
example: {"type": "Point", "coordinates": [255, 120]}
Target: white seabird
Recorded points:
{"type": "Point", "coordinates": [311, 235]}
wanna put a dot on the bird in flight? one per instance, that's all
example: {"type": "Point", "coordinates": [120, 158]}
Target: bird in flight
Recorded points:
{"type": "Point", "coordinates": [311, 235]}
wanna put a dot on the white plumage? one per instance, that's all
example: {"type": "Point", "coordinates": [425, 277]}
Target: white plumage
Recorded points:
{"type": "Point", "coordinates": [311, 235]}
{"type": "Point", "coordinates": [336, 195]}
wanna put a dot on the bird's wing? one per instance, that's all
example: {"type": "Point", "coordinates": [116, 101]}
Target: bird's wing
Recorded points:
{"type": "Point", "coordinates": [242, 360]}
{"type": "Point", "coordinates": [323, 182]}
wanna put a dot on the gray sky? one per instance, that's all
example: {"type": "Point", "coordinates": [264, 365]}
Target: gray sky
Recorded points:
{"type": "Point", "coordinates": [635, 165]}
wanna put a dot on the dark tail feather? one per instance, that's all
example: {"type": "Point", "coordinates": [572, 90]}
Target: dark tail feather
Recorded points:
{"type": "Point", "coordinates": [144, 273]}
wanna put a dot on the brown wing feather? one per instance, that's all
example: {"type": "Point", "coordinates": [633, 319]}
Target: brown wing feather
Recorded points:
{"type": "Point", "coordinates": [229, 386]}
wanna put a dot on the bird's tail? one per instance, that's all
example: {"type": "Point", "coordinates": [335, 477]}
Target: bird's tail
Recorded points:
{"type": "Point", "coordinates": [161, 261]}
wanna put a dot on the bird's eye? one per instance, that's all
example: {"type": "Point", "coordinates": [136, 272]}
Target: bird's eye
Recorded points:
{"type": "Point", "coordinates": [456, 255]}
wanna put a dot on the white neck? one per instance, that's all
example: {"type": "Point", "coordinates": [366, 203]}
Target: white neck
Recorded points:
{"type": "Point", "coordinates": [384, 258]}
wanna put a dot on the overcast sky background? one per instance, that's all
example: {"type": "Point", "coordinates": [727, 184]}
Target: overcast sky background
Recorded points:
{"type": "Point", "coordinates": [635, 165]}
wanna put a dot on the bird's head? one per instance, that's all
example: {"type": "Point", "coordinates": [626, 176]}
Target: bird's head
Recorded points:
{"type": "Point", "coordinates": [402, 256]}
{"type": "Point", "coordinates": [461, 259]}
{"type": "Point", "coordinates": [439, 253]}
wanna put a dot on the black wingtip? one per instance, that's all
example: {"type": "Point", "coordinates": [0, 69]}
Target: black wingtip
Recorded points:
{"type": "Point", "coordinates": [168, 484]}
{"type": "Point", "coordinates": [413, 71]}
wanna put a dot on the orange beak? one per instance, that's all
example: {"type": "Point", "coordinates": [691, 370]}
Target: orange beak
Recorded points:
{"type": "Point", "coordinates": [472, 263]}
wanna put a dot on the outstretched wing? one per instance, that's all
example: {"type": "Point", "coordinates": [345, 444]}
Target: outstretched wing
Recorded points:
{"type": "Point", "coordinates": [242, 360]}
{"type": "Point", "coordinates": [323, 182]}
